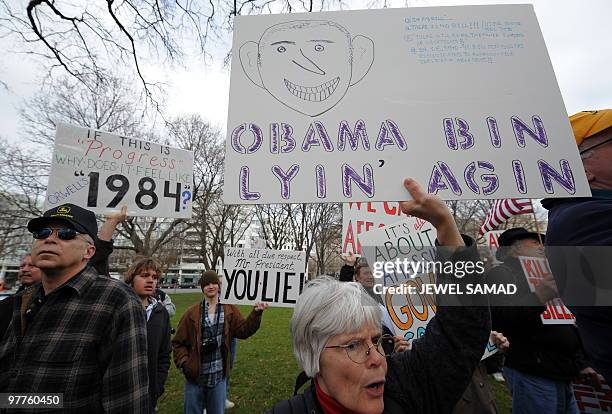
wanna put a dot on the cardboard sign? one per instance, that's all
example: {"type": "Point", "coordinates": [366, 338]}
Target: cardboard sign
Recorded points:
{"type": "Point", "coordinates": [556, 313]}
{"type": "Point", "coordinates": [410, 314]}
{"type": "Point", "coordinates": [262, 275]}
{"type": "Point", "coordinates": [358, 218]}
{"type": "Point", "coordinates": [102, 172]}
{"type": "Point", "coordinates": [589, 400]}
{"type": "Point", "coordinates": [341, 106]}
{"type": "Point", "coordinates": [411, 239]}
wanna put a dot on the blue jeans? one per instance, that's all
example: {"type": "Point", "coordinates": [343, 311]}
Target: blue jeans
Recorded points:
{"type": "Point", "coordinates": [198, 398]}
{"type": "Point", "coordinates": [536, 395]}
{"type": "Point", "coordinates": [232, 357]}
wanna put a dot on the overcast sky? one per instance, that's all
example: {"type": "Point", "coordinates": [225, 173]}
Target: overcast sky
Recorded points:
{"type": "Point", "coordinates": [577, 34]}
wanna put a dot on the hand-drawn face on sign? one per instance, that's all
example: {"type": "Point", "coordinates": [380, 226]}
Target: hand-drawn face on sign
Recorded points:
{"type": "Point", "coordinates": [307, 65]}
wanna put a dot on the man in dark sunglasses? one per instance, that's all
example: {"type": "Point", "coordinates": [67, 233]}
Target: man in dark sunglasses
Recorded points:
{"type": "Point", "coordinates": [75, 333]}
{"type": "Point", "coordinates": [579, 240]}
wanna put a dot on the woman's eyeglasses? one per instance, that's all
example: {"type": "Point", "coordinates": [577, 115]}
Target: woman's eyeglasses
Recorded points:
{"type": "Point", "coordinates": [62, 234]}
{"type": "Point", "coordinates": [358, 350]}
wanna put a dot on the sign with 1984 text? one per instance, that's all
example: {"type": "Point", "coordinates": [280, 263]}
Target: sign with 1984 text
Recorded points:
{"type": "Point", "coordinates": [101, 171]}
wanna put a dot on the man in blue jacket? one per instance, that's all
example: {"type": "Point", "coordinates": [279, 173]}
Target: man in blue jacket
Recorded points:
{"type": "Point", "coordinates": [579, 240]}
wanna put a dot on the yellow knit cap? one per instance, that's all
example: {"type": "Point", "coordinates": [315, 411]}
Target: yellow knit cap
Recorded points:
{"type": "Point", "coordinates": [588, 123]}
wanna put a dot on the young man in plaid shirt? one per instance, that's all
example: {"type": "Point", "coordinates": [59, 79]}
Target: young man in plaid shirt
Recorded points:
{"type": "Point", "coordinates": [75, 333]}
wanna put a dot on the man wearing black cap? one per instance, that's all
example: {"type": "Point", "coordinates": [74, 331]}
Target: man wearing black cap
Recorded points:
{"type": "Point", "coordinates": [542, 359]}
{"type": "Point", "coordinates": [76, 333]}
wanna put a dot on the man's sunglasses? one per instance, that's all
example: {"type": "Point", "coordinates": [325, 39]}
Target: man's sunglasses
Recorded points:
{"type": "Point", "coordinates": [62, 234]}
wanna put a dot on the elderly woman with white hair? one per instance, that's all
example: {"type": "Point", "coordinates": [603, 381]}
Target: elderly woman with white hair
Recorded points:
{"type": "Point", "coordinates": [336, 330]}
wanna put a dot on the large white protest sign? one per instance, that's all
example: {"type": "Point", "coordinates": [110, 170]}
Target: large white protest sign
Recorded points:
{"type": "Point", "coordinates": [261, 275]}
{"type": "Point", "coordinates": [358, 218]}
{"type": "Point", "coordinates": [535, 270]}
{"type": "Point", "coordinates": [341, 106]}
{"type": "Point", "coordinates": [102, 172]}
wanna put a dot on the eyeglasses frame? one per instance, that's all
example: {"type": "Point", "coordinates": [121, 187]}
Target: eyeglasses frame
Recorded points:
{"type": "Point", "coordinates": [367, 353]}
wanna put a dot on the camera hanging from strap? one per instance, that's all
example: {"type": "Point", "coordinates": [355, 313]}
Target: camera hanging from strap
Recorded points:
{"type": "Point", "coordinates": [210, 344]}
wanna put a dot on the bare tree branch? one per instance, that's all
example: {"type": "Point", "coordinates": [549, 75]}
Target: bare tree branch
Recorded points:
{"type": "Point", "coordinates": [89, 40]}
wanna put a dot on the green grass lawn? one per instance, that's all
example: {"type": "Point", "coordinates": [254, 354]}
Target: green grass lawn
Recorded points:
{"type": "Point", "coordinates": [264, 371]}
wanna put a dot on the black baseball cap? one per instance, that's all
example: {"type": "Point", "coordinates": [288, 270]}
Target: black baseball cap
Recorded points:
{"type": "Point", "coordinates": [79, 218]}
{"type": "Point", "coordinates": [510, 236]}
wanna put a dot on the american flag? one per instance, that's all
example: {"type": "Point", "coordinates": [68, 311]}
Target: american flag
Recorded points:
{"type": "Point", "coordinates": [503, 210]}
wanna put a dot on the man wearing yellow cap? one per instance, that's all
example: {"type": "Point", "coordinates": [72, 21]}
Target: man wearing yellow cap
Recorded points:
{"type": "Point", "coordinates": [593, 133]}
{"type": "Point", "coordinates": [579, 240]}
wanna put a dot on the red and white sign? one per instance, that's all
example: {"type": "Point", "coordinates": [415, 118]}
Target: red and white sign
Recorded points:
{"type": "Point", "coordinates": [491, 239]}
{"type": "Point", "coordinates": [535, 270]}
{"type": "Point", "coordinates": [557, 313]}
{"type": "Point", "coordinates": [358, 218]}
{"type": "Point", "coordinates": [591, 401]}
